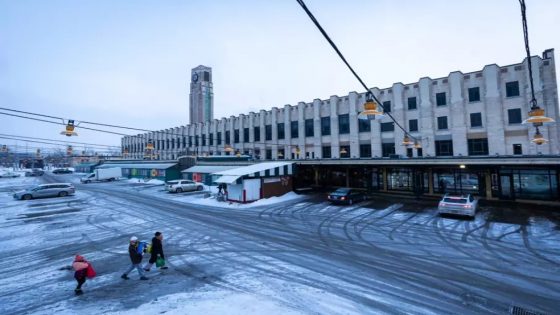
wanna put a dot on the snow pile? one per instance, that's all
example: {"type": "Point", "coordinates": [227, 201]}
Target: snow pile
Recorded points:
{"type": "Point", "coordinates": [150, 182]}
{"type": "Point", "coordinates": [226, 204]}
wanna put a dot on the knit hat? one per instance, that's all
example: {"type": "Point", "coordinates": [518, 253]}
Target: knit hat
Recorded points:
{"type": "Point", "coordinates": [79, 258]}
{"type": "Point", "coordinates": [158, 233]}
{"type": "Point", "coordinates": [134, 239]}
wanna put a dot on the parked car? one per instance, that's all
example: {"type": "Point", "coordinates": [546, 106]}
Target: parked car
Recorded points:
{"type": "Point", "coordinates": [181, 185]}
{"type": "Point", "coordinates": [9, 175]}
{"type": "Point", "coordinates": [62, 171]}
{"type": "Point", "coordinates": [34, 172]}
{"type": "Point", "coordinates": [346, 195]}
{"type": "Point", "coordinates": [46, 190]}
{"type": "Point", "coordinates": [458, 204]}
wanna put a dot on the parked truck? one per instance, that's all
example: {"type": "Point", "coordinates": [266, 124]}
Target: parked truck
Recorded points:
{"type": "Point", "coordinates": [102, 174]}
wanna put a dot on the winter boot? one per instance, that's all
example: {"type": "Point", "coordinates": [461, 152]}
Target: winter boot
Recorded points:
{"type": "Point", "coordinates": [164, 267]}
{"type": "Point", "coordinates": [146, 269]}
{"type": "Point", "coordinates": [78, 291]}
{"type": "Point", "coordinates": [125, 276]}
{"type": "Point", "coordinates": [143, 278]}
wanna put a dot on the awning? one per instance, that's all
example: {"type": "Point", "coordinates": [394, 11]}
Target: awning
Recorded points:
{"type": "Point", "coordinates": [208, 169]}
{"type": "Point", "coordinates": [274, 168]}
{"type": "Point", "coordinates": [158, 166]}
{"type": "Point", "coordinates": [227, 179]}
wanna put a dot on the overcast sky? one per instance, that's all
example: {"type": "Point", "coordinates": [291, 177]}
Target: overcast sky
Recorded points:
{"type": "Point", "coordinates": [128, 62]}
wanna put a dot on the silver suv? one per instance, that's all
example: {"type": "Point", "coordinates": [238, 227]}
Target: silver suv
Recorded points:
{"type": "Point", "coordinates": [458, 204]}
{"type": "Point", "coordinates": [46, 190]}
{"type": "Point", "coordinates": [181, 185]}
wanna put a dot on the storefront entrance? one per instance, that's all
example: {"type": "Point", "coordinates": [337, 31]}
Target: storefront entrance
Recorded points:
{"type": "Point", "coordinates": [506, 187]}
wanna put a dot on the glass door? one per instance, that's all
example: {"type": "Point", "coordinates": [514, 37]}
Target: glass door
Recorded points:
{"type": "Point", "coordinates": [506, 187]}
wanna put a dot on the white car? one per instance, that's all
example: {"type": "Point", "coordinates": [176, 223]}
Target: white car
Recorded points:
{"type": "Point", "coordinates": [9, 175]}
{"type": "Point", "coordinates": [458, 204]}
{"type": "Point", "coordinates": [181, 185]}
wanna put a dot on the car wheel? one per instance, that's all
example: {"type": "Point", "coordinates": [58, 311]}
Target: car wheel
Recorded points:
{"type": "Point", "coordinates": [62, 194]}
{"type": "Point", "coordinates": [199, 188]}
{"type": "Point", "coordinates": [179, 190]}
{"type": "Point", "coordinates": [27, 197]}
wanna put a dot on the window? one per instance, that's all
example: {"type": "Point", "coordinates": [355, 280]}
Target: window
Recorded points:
{"type": "Point", "coordinates": [211, 139]}
{"type": "Point", "coordinates": [325, 126]}
{"type": "Point", "coordinates": [474, 94]}
{"type": "Point", "coordinates": [517, 149]}
{"type": "Point", "coordinates": [190, 141]}
{"type": "Point", "coordinates": [419, 152]}
{"type": "Point", "coordinates": [195, 141]}
{"type": "Point", "coordinates": [387, 149]}
{"type": "Point", "coordinates": [326, 152]}
{"type": "Point", "coordinates": [364, 125]}
{"type": "Point", "coordinates": [281, 154]}
{"type": "Point", "coordinates": [441, 99]}
{"type": "Point", "coordinates": [184, 143]}
{"type": "Point", "coordinates": [268, 133]}
{"type": "Point", "coordinates": [476, 120]}
{"type": "Point", "coordinates": [512, 89]}
{"type": "Point", "coordinates": [444, 148]}
{"type": "Point", "coordinates": [514, 116]}
{"type": "Point", "coordinates": [411, 103]}
{"type": "Point", "coordinates": [387, 106]}
{"type": "Point", "coordinates": [413, 125]}
{"type": "Point", "coordinates": [280, 131]}
{"type": "Point", "coordinates": [388, 126]}
{"type": "Point", "coordinates": [365, 150]}
{"type": "Point", "coordinates": [343, 124]}
{"type": "Point", "coordinates": [219, 139]}
{"type": "Point", "coordinates": [478, 146]}
{"type": "Point", "coordinates": [257, 133]}
{"type": "Point", "coordinates": [442, 122]}
{"type": "Point", "coordinates": [294, 129]}
{"type": "Point", "coordinates": [346, 150]}
{"type": "Point", "coordinates": [245, 134]}
{"type": "Point", "coordinates": [268, 154]}
{"type": "Point", "coordinates": [309, 128]}
{"type": "Point", "coordinates": [409, 152]}
{"type": "Point", "coordinates": [236, 136]}
{"type": "Point", "coordinates": [228, 139]}
{"type": "Point", "coordinates": [203, 140]}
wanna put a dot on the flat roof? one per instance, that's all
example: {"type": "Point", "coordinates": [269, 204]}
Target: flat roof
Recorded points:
{"type": "Point", "coordinates": [209, 169]}
{"type": "Point", "coordinates": [139, 165]}
{"type": "Point", "coordinates": [255, 168]}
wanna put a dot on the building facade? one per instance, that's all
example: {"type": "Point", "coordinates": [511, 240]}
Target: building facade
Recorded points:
{"type": "Point", "coordinates": [201, 97]}
{"type": "Point", "coordinates": [465, 118]}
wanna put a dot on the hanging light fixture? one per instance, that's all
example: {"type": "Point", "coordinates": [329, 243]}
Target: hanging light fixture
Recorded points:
{"type": "Point", "coordinates": [149, 145]}
{"type": "Point", "coordinates": [237, 154]}
{"type": "Point", "coordinates": [280, 154]}
{"type": "Point", "coordinates": [343, 151]}
{"type": "Point", "coordinates": [69, 129]}
{"type": "Point", "coordinates": [228, 148]}
{"type": "Point", "coordinates": [125, 152]}
{"type": "Point", "coordinates": [417, 145]}
{"type": "Point", "coordinates": [298, 151]}
{"type": "Point", "coordinates": [69, 150]}
{"type": "Point", "coordinates": [536, 114]}
{"type": "Point", "coordinates": [538, 138]}
{"type": "Point", "coordinates": [406, 141]}
{"type": "Point", "coordinates": [371, 110]}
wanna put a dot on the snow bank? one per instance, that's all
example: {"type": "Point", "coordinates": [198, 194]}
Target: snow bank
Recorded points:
{"type": "Point", "coordinates": [150, 182]}
{"type": "Point", "coordinates": [263, 202]}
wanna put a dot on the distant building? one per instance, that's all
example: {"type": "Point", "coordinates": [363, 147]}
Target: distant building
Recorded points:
{"type": "Point", "coordinates": [201, 101]}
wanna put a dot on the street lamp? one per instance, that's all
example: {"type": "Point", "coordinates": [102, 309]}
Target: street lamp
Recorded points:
{"type": "Point", "coordinates": [536, 115]}
{"type": "Point", "coordinates": [69, 129]}
{"type": "Point", "coordinates": [370, 111]}
{"type": "Point", "coordinates": [406, 141]}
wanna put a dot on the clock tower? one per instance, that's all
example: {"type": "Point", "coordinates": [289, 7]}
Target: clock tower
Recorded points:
{"type": "Point", "coordinates": [201, 100]}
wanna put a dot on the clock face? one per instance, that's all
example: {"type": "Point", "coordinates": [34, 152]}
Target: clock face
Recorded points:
{"type": "Point", "coordinates": [195, 77]}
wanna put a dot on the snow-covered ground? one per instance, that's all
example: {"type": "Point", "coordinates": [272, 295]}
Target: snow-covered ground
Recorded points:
{"type": "Point", "coordinates": [289, 255]}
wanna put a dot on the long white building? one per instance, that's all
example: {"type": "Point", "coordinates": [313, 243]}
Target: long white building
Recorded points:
{"type": "Point", "coordinates": [464, 114]}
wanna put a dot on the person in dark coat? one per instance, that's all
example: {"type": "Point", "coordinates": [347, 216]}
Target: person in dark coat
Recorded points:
{"type": "Point", "coordinates": [136, 258]}
{"type": "Point", "coordinates": [157, 251]}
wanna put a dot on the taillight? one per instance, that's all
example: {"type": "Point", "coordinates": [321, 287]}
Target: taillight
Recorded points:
{"type": "Point", "coordinates": [342, 198]}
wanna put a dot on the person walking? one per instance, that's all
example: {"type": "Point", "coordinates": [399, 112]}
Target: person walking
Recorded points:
{"type": "Point", "coordinates": [135, 250]}
{"type": "Point", "coordinates": [80, 266]}
{"type": "Point", "coordinates": [157, 251]}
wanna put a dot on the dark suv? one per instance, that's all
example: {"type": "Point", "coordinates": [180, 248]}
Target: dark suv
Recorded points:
{"type": "Point", "coordinates": [34, 172]}
{"type": "Point", "coordinates": [62, 171]}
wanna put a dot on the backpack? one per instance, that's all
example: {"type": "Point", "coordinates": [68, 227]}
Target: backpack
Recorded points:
{"type": "Point", "coordinates": [149, 248]}
{"type": "Point", "coordinates": [141, 247]}
{"type": "Point", "coordinates": [90, 272]}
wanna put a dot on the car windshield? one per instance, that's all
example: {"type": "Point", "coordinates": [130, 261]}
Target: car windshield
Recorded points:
{"type": "Point", "coordinates": [341, 191]}
{"type": "Point", "coordinates": [455, 199]}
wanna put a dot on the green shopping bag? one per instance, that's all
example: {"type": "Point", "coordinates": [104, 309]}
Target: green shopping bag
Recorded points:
{"type": "Point", "coordinates": [160, 262]}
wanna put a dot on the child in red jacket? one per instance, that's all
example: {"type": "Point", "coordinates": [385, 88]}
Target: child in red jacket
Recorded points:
{"type": "Point", "coordinates": [80, 266]}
